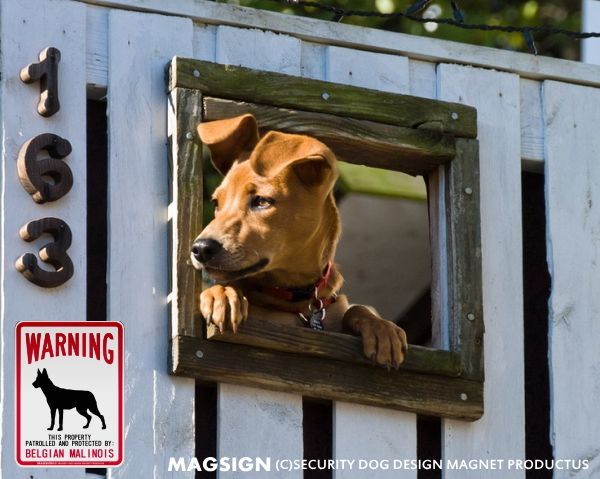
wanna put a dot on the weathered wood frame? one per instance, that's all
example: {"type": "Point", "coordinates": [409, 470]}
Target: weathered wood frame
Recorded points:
{"type": "Point", "coordinates": [415, 135]}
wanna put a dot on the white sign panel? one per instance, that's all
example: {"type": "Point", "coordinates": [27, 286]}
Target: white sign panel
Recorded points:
{"type": "Point", "coordinates": [69, 393]}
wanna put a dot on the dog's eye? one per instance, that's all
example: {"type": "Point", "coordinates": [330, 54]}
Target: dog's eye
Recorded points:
{"type": "Point", "coordinates": [261, 202]}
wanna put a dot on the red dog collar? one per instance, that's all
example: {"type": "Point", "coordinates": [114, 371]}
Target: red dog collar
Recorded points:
{"type": "Point", "coordinates": [310, 292]}
{"type": "Point", "coordinates": [303, 293]}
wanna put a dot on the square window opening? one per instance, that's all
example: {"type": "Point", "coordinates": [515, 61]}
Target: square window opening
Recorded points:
{"type": "Point", "coordinates": [389, 133]}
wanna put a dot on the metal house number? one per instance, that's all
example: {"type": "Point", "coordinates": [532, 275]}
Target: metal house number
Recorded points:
{"type": "Point", "coordinates": [46, 179]}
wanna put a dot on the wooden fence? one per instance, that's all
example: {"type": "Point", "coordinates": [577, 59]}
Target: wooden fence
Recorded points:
{"type": "Point", "coordinates": [534, 114]}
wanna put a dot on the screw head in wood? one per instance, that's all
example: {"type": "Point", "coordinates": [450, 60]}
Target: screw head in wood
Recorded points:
{"type": "Point", "coordinates": [463, 396]}
{"type": "Point", "coordinates": [196, 73]}
{"type": "Point", "coordinates": [468, 191]}
{"type": "Point", "coordinates": [189, 135]}
{"type": "Point", "coordinates": [471, 317]}
{"type": "Point", "coordinates": [325, 96]}
{"type": "Point", "coordinates": [454, 115]}
{"type": "Point", "coordinates": [199, 354]}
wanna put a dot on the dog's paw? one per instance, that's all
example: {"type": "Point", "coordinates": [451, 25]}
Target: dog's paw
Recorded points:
{"type": "Point", "coordinates": [224, 306]}
{"type": "Point", "coordinates": [383, 342]}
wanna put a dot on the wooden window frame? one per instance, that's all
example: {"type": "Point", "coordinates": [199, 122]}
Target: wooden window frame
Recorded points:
{"type": "Point", "coordinates": [398, 132]}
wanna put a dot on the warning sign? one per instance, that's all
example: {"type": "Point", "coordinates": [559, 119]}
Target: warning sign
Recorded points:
{"type": "Point", "coordinates": [69, 393]}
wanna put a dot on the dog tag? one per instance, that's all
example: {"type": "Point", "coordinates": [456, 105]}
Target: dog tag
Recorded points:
{"type": "Point", "coordinates": [316, 319]}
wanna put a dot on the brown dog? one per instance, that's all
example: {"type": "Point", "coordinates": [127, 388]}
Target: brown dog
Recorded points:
{"type": "Point", "coordinates": [271, 245]}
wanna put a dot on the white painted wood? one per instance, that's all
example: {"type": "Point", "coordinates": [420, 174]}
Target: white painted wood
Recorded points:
{"type": "Point", "coordinates": [590, 21]}
{"type": "Point", "coordinates": [532, 125]}
{"type": "Point", "coordinates": [205, 42]}
{"type": "Point", "coordinates": [62, 25]}
{"type": "Point", "coordinates": [256, 423]}
{"type": "Point", "coordinates": [371, 70]}
{"type": "Point", "coordinates": [97, 47]}
{"type": "Point", "coordinates": [258, 49]}
{"type": "Point", "coordinates": [571, 118]}
{"type": "Point", "coordinates": [499, 434]}
{"type": "Point", "coordinates": [423, 80]}
{"type": "Point", "coordinates": [312, 62]}
{"type": "Point", "coordinates": [363, 432]}
{"type": "Point", "coordinates": [264, 413]}
{"type": "Point", "coordinates": [159, 419]}
{"type": "Point", "coordinates": [359, 431]}
{"type": "Point", "coordinates": [350, 36]}
{"type": "Point", "coordinates": [438, 234]}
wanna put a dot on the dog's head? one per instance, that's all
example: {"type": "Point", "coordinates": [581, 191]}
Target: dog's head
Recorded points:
{"type": "Point", "coordinates": [274, 201]}
{"type": "Point", "coordinates": [41, 379]}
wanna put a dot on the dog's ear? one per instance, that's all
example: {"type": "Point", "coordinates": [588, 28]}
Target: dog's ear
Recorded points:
{"type": "Point", "coordinates": [39, 373]}
{"type": "Point", "coordinates": [310, 160]}
{"type": "Point", "coordinates": [44, 373]}
{"type": "Point", "coordinates": [228, 139]}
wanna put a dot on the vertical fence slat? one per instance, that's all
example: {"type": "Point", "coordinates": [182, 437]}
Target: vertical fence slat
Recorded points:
{"type": "Point", "coordinates": [532, 125]}
{"type": "Point", "coordinates": [572, 114]}
{"type": "Point", "coordinates": [423, 79]}
{"type": "Point", "coordinates": [262, 50]}
{"type": "Point", "coordinates": [257, 423]}
{"type": "Point", "coordinates": [438, 237]}
{"type": "Point", "coordinates": [205, 42]}
{"type": "Point", "coordinates": [263, 414]}
{"type": "Point", "coordinates": [159, 409]}
{"type": "Point", "coordinates": [500, 433]}
{"type": "Point", "coordinates": [313, 60]}
{"type": "Point", "coordinates": [97, 48]}
{"type": "Point", "coordinates": [423, 83]}
{"type": "Point", "coordinates": [363, 432]}
{"type": "Point", "coordinates": [366, 69]}
{"type": "Point", "coordinates": [590, 47]}
{"type": "Point", "coordinates": [26, 28]}
{"type": "Point", "coordinates": [359, 431]}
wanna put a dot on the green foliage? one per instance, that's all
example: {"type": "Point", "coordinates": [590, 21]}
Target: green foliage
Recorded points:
{"type": "Point", "coordinates": [559, 13]}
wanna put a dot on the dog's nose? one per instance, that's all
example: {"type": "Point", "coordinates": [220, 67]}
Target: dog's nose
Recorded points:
{"type": "Point", "coordinates": [205, 249]}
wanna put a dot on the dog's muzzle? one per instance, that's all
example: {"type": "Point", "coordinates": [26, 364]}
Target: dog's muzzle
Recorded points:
{"type": "Point", "coordinates": [203, 250]}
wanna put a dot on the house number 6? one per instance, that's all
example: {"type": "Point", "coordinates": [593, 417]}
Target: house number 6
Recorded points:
{"type": "Point", "coordinates": [32, 171]}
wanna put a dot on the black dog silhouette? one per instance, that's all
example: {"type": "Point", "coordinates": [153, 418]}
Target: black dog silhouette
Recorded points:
{"type": "Point", "coordinates": [61, 399]}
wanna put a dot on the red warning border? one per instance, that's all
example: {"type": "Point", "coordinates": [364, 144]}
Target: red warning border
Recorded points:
{"type": "Point", "coordinates": [83, 324]}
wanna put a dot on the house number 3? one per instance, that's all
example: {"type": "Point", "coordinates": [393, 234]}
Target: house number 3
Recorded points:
{"type": "Point", "coordinates": [54, 253]}
{"type": "Point", "coordinates": [46, 179]}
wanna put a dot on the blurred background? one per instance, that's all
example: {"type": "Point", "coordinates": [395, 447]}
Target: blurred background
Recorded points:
{"type": "Point", "coordinates": [559, 13]}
